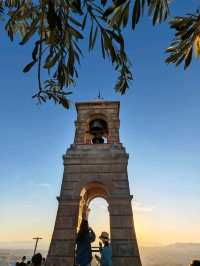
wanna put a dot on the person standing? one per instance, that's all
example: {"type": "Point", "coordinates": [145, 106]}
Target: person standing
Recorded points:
{"type": "Point", "coordinates": [195, 263]}
{"type": "Point", "coordinates": [36, 260]}
{"type": "Point", "coordinates": [84, 239]}
{"type": "Point", "coordinates": [23, 261]}
{"type": "Point", "coordinates": [105, 250]}
{"type": "Point", "coordinates": [43, 261]}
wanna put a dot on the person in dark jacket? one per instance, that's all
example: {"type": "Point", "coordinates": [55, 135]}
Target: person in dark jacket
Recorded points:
{"type": "Point", "coordinates": [84, 239]}
{"type": "Point", "coordinates": [195, 263]}
{"type": "Point", "coordinates": [37, 260]}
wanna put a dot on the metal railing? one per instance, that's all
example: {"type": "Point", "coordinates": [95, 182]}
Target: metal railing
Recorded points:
{"type": "Point", "coordinates": [95, 249]}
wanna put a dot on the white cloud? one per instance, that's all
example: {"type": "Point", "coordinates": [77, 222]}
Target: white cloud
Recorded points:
{"type": "Point", "coordinates": [43, 185]}
{"type": "Point", "coordinates": [140, 207]}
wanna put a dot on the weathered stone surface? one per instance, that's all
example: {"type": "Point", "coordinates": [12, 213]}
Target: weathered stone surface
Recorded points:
{"type": "Point", "coordinates": [67, 210]}
{"type": "Point", "coordinates": [63, 222]}
{"type": "Point", "coordinates": [124, 248]}
{"type": "Point", "coordinates": [61, 248]}
{"type": "Point", "coordinates": [121, 221]}
{"type": "Point", "coordinates": [95, 168]}
{"type": "Point", "coordinates": [64, 234]}
{"type": "Point", "coordinates": [60, 261]}
{"type": "Point", "coordinates": [122, 233]}
{"type": "Point", "coordinates": [123, 210]}
{"type": "Point", "coordinates": [126, 261]}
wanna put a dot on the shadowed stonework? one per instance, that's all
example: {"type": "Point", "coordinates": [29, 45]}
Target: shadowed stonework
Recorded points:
{"type": "Point", "coordinates": [95, 166]}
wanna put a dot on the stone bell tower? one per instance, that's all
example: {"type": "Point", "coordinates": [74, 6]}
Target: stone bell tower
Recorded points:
{"type": "Point", "coordinates": [95, 166]}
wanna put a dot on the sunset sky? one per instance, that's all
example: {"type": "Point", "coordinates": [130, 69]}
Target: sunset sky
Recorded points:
{"type": "Point", "coordinates": [160, 129]}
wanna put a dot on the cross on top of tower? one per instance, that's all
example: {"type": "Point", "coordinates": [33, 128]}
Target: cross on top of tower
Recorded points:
{"type": "Point", "coordinates": [99, 97]}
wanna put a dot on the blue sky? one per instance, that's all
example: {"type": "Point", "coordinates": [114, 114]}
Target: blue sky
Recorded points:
{"type": "Point", "coordinates": [159, 127]}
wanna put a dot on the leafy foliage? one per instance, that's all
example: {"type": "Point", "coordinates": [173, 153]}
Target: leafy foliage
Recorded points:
{"type": "Point", "coordinates": [58, 27]}
{"type": "Point", "coordinates": [187, 39]}
{"type": "Point", "coordinates": [1, 9]}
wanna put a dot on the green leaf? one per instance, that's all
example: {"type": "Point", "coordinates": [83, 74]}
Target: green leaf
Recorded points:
{"type": "Point", "coordinates": [84, 22]}
{"type": "Point", "coordinates": [30, 33]}
{"type": "Point", "coordinates": [109, 46]}
{"type": "Point", "coordinates": [188, 58]}
{"type": "Point", "coordinates": [64, 102]}
{"type": "Point", "coordinates": [74, 32]}
{"type": "Point", "coordinates": [35, 51]}
{"type": "Point", "coordinates": [109, 11]}
{"type": "Point", "coordinates": [117, 18]}
{"type": "Point", "coordinates": [102, 47]}
{"type": "Point", "coordinates": [103, 2]}
{"type": "Point", "coordinates": [76, 5]}
{"type": "Point", "coordinates": [116, 37]}
{"type": "Point", "coordinates": [29, 66]}
{"type": "Point", "coordinates": [136, 14]}
{"type": "Point", "coordinates": [159, 10]}
{"type": "Point", "coordinates": [94, 37]}
{"type": "Point", "coordinates": [156, 13]}
{"type": "Point", "coordinates": [51, 60]}
{"type": "Point", "coordinates": [76, 22]}
{"type": "Point", "coordinates": [143, 4]}
{"type": "Point", "coordinates": [90, 37]}
{"type": "Point", "coordinates": [126, 14]}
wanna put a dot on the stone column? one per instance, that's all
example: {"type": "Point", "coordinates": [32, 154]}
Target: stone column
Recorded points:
{"type": "Point", "coordinates": [62, 247]}
{"type": "Point", "coordinates": [124, 242]}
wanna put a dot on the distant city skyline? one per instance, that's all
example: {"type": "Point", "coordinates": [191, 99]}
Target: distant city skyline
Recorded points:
{"type": "Point", "coordinates": [160, 130]}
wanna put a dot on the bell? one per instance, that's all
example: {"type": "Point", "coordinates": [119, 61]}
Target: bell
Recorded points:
{"type": "Point", "coordinates": [96, 127]}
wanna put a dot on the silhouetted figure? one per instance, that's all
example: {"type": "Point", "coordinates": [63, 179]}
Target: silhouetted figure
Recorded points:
{"type": "Point", "coordinates": [83, 241]}
{"type": "Point", "coordinates": [195, 263]}
{"type": "Point", "coordinates": [97, 140]}
{"type": "Point", "coordinates": [105, 250]}
{"type": "Point", "coordinates": [37, 260]}
{"type": "Point", "coordinates": [43, 261]}
{"type": "Point", "coordinates": [23, 261]}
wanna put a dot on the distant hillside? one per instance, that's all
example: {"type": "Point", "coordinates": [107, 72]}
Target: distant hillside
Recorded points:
{"type": "Point", "coordinates": [9, 257]}
{"type": "Point", "coordinates": [178, 254]}
{"type": "Point", "coordinates": [184, 245]}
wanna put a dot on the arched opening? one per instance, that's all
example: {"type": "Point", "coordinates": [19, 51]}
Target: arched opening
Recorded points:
{"type": "Point", "coordinates": [97, 129]}
{"type": "Point", "coordinates": [89, 192]}
{"type": "Point", "coordinates": [99, 221]}
{"type": "Point", "coordinates": [94, 207]}
{"type": "Point", "coordinates": [98, 217]}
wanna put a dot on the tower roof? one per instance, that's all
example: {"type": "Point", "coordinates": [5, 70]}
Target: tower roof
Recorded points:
{"type": "Point", "coordinates": [97, 102]}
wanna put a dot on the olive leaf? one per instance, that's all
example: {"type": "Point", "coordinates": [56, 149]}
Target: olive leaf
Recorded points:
{"type": "Point", "coordinates": [186, 40]}
{"type": "Point", "coordinates": [29, 66]}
